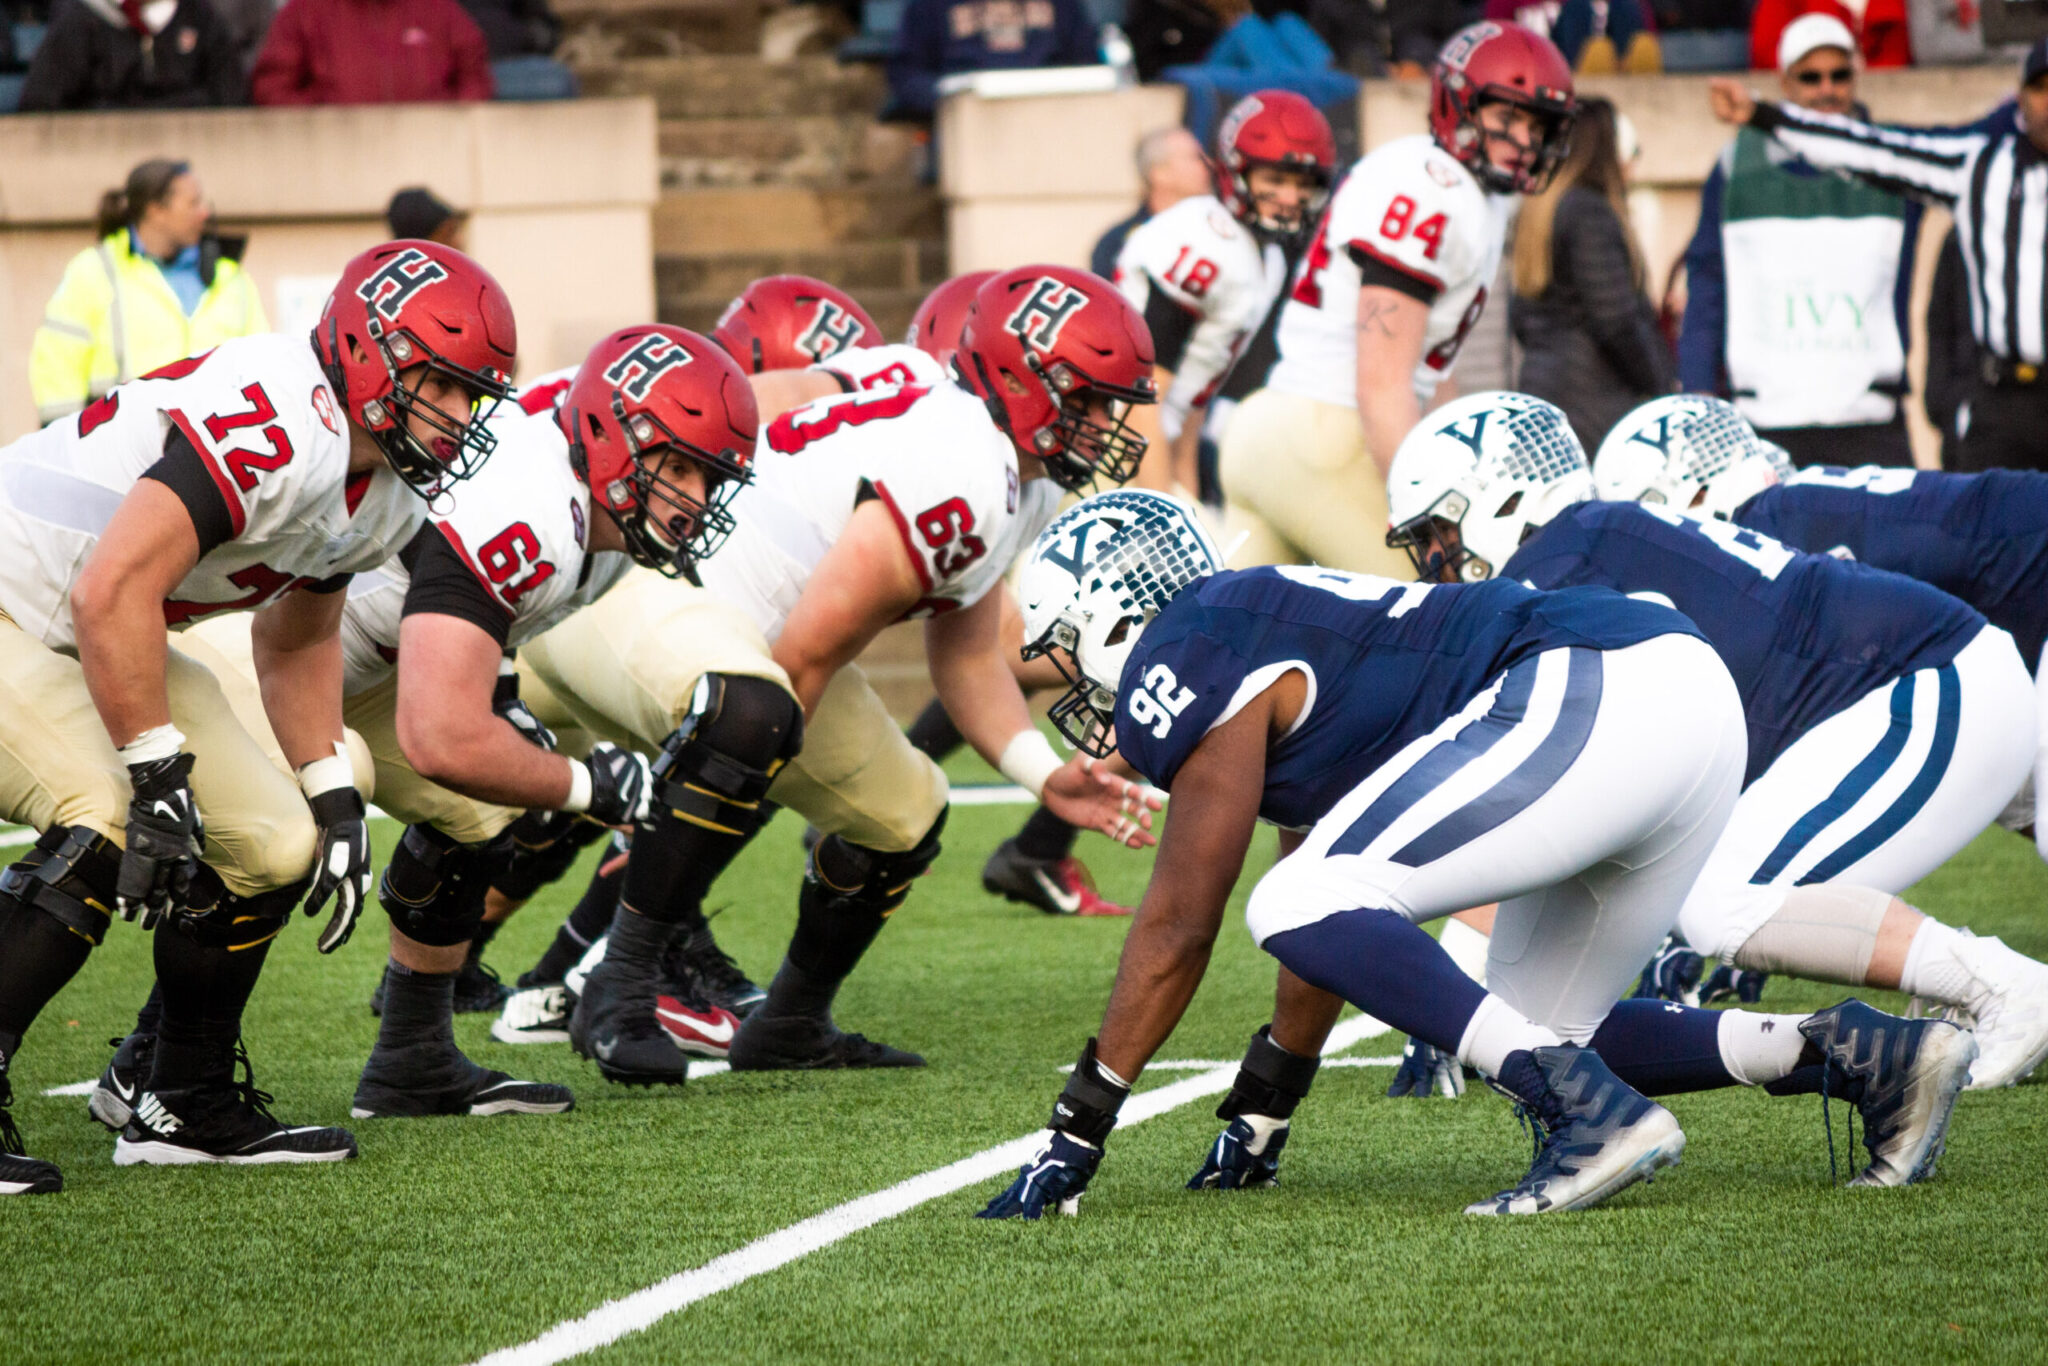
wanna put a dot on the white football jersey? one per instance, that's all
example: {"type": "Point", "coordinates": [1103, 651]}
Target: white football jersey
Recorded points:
{"type": "Point", "coordinates": [521, 525]}
{"type": "Point", "coordinates": [879, 367]}
{"type": "Point", "coordinates": [269, 434]}
{"type": "Point", "coordinates": [1212, 268]}
{"type": "Point", "coordinates": [545, 393]}
{"type": "Point", "coordinates": [935, 460]}
{"type": "Point", "coordinates": [1411, 209]}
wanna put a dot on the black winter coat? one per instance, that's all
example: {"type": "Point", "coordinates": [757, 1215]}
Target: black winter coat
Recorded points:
{"type": "Point", "coordinates": [88, 62]}
{"type": "Point", "coordinates": [1590, 342]}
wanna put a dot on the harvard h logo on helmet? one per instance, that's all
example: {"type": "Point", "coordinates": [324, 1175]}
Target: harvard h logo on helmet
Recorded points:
{"type": "Point", "coordinates": [634, 373]}
{"type": "Point", "coordinates": [1039, 320]}
{"type": "Point", "coordinates": [833, 330]}
{"type": "Point", "coordinates": [397, 280]}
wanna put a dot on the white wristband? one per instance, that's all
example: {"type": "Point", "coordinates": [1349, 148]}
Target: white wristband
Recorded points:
{"type": "Point", "coordinates": [158, 742]}
{"type": "Point", "coordinates": [327, 775]}
{"type": "Point", "coordinates": [1028, 760]}
{"type": "Point", "coordinates": [579, 787]}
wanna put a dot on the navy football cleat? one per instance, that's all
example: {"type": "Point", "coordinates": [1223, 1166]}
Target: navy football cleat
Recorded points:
{"type": "Point", "coordinates": [1903, 1077]}
{"type": "Point", "coordinates": [1595, 1134]}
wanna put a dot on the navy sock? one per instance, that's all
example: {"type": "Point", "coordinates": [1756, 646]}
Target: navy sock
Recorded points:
{"type": "Point", "coordinates": [1662, 1048]}
{"type": "Point", "coordinates": [1386, 966]}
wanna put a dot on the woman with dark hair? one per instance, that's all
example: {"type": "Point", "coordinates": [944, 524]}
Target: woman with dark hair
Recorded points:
{"type": "Point", "coordinates": [1589, 338]}
{"type": "Point", "coordinates": [159, 286]}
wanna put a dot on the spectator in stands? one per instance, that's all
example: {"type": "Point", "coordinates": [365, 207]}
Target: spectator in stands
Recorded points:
{"type": "Point", "coordinates": [419, 212]}
{"type": "Point", "coordinates": [248, 23]}
{"type": "Point", "coordinates": [1167, 33]}
{"type": "Point", "coordinates": [516, 28]}
{"type": "Point", "coordinates": [1798, 282]}
{"type": "Point", "coordinates": [1588, 335]}
{"type": "Point", "coordinates": [1879, 27]}
{"type": "Point", "coordinates": [1954, 364]}
{"type": "Point", "coordinates": [942, 38]}
{"type": "Point", "coordinates": [1387, 37]}
{"type": "Point", "coordinates": [372, 52]}
{"type": "Point", "coordinates": [1596, 38]}
{"type": "Point", "coordinates": [1171, 167]}
{"type": "Point", "coordinates": [109, 54]}
{"type": "Point", "coordinates": [159, 286]}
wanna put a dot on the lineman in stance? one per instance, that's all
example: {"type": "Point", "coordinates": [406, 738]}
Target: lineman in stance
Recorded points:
{"type": "Point", "coordinates": [220, 483]}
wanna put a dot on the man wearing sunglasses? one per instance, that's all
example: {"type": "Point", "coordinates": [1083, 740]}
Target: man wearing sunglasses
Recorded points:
{"type": "Point", "coordinates": [1796, 295]}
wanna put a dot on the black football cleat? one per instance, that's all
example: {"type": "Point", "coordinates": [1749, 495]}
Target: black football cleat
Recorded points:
{"type": "Point", "coordinates": [112, 1101]}
{"type": "Point", "coordinates": [225, 1122]}
{"type": "Point", "coordinates": [1060, 886]}
{"type": "Point", "coordinates": [806, 1043]}
{"type": "Point", "coordinates": [1903, 1076]}
{"type": "Point", "coordinates": [1595, 1134]}
{"type": "Point", "coordinates": [433, 1077]}
{"type": "Point", "coordinates": [696, 969]}
{"type": "Point", "coordinates": [21, 1174]}
{"type": "Point", "coordinates": [614, 1026]}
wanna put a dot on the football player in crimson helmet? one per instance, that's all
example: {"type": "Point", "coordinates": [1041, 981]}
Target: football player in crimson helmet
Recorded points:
{"type": "Point", "coordinates": [935, 327]}
{"type": "Point", "coordinates": [661, 428]}
{"type": "Point", "coordinates": [1500, 101]}
{"type": "Point", "coordinates": [1060, 357]}
{"type": "Point", "coordinates": [1275, 161]}
{"type": "Point", "coordinates": [409, 326]}
{"type": "Point", "coordinates": [786, 322]}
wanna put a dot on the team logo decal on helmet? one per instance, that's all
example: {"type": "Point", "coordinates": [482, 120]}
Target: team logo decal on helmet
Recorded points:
{"type": "Point", "coordinates": [833, 330]}
{"type": "Point", "coordinates": [1690, 452]}
{"type": "Point", "coordinates": [397, 280]}
{"type": "Point", "coordinates": [1039, 320]}
{"type": "Point", "coordinates": [634, 372]}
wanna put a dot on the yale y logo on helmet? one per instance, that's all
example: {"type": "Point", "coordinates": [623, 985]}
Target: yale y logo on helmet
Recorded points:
{"type": "Point", "coordinates": [1690, 452]}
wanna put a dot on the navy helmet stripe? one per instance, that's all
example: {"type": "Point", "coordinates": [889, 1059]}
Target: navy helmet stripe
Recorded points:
{"type": "Point", "coordinates": [1947, 717]}
{"type": "Point", "coordinates": [1533, 777]}
{"type": "Point", "coordinates": [1443, 762]}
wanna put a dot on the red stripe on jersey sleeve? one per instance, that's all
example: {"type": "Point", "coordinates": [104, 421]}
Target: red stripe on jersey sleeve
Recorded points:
{"type": "Point", "coordinates": [238, 515]}
{"type": "Point", "coordinates": [924, 573]}
{"type": "Point", "coordinates": [542, 397]}
{"type": "Point", "coordinates": [1422, 276]}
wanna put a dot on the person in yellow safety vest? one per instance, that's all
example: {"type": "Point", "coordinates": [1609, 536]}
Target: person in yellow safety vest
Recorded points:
{"type": "Point", "coordinates": [159, 286]}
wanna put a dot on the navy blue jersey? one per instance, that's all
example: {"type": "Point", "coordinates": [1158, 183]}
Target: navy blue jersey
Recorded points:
{"type": "Point", "coordinates": [1979, 537]}
{"type": "Point", "coordinates": [1387, 662]}
{"type": "Point", "coordinates": [1804, 635]}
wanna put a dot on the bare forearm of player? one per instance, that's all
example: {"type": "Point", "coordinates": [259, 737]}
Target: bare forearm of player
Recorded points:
{"type": "Point", "coordinates": [295, 644]}
{"type": "Point", "coordinates": [447, 729]}
{"type": "Point", "coordinates": [973, 679]}
{"type": "Point", "coordinates": [117, 607]}
{"type": "Point", "coordinates": [866, 581]}
{"type": "Point", "coordinates": [1215, 807]}
{"type": "Point", "coordinates": [1391, 327]}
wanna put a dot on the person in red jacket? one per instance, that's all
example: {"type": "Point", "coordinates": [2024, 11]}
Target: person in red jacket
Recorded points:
{"type": "Point", "coordinates": [371, 52]}
{"type": "Point", "coordinates": [1882, 38]}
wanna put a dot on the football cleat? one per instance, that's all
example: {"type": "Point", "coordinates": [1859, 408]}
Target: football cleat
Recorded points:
{"type": "Point", "coordinates": [803, 1043]}
{"type": "Point", "coordinates": [699, 1029]}
{"type": "Point", "coordinates": [433, 1077]}
{"type": "Point", "coordinates": [613, 1025]}
{"type": "Point", "coordinates": [225, 1122]}
{"type": "Point", "coordinates": [21, 1174]}
{"type": "Point", "coordinates": [477, 989]}
{"type": "Point", "coordinates": [1056, 886]}
{"type": "Point", "coordinates": [535, 1015]}
{"type": "Point", "coordinates": [1903, 1076]}
{"type": "Point", "coordinates": [696, 969]}
{"type": "Point", "coordinates": [1427, 1070]}
{"type": "Point", "coordinates": [112, 1100]}
{"type": "Point", "coordinates": [1672, 974]}
{"type": "Point", "coordinates": [1595, 1135]}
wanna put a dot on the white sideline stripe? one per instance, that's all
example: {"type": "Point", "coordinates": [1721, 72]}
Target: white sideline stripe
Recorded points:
{"type": "Point", "coordinates": [76, 1088]}
{"type": "Point", "coordinates": [644, 1308]}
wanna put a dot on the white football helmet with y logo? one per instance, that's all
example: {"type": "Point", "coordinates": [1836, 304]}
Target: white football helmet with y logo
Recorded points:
{"type": "Point", "coordinates": [1691, 453]}
{"type": "Point", "coordinates": [1095, 578]}
{"type": "Point", "coordinates": [1495, 466]}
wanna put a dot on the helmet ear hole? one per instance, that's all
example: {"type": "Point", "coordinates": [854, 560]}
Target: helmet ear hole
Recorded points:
{"type": "Point", "coordinates": [1120, 632]}
{"type": "Point", "coordinates": [1514, 501]}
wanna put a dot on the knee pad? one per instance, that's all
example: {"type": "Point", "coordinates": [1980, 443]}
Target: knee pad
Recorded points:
{"type": "Point", "coordinates": [540, 847]}
{"type": "Point", "coordinates": [715, 768]}
{"type": "Point", "coordinates": [868, 877]}
{"type": "Point", "coordinates": [68, 876]}
{"type": "Point", "coordinates": [1826, 930]}
{"type": "Point", "coordinates": [433, 888]}
{"type": "Point", "coordinates": [218, 918]}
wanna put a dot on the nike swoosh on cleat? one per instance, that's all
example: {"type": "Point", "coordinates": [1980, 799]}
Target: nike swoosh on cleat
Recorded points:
{"type": "Point", "coordinates": [1068, 902]}
{"type": "Point", "coordinates": [606, 1048]}
{"type": "Point", "coordinates": [716, 1031]}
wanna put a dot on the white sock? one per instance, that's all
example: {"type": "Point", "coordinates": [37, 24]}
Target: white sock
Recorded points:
{"type": "Point", "coordinates": [1496, 1030]}
{"type": "Point", "coordinates": [1756, 1048]}
{"type": "Point", "coordinates": [1467, 948]}
{"type": "Point", "coordinates": [1934, 968]}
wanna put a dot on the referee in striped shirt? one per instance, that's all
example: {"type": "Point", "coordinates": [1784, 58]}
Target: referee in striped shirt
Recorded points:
{"type": "Point", "coordinates": [1994, 178]}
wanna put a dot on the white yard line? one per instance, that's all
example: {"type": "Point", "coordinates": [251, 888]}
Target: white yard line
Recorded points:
{"type": "Point", "coordinates": [76, 1088]}
{"type": "Point", "coordinates": [643, 1309]}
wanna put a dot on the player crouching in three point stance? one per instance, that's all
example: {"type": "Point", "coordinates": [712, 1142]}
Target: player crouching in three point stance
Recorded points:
{"type": "Point", "coordinates": [1571, 755]}
{"type": "Point", "coordinates": [220, 483]}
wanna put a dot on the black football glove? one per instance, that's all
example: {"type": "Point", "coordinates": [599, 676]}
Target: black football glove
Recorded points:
{"type": "Point", "coordinates": [1245, 1156]}
{"type": "Point", "coordinates": [621, 786]}
{"type": "Point", "coordinates": [505, 701]}
{"type": "Point", "coordinates": [1427, 1070]}
{"type": "Point", "coordinates": [1057, 1176]}
{"type": "Point", "coordinates": [1672, 974]}
{"type": "Point", "coordinates": [164, 837]}
{"type": "Point", "coordinates": [1730, 983]}
{"type": "Point", "coordinates": [341, 869]}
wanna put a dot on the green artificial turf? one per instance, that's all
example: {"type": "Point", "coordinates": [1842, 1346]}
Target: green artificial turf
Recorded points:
{"type": "Point", "coordinates": [451, 1238]}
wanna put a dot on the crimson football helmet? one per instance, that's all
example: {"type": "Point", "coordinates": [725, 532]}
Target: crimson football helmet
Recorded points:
{"type": "Point", "coordinates": [1041, 341]}
{"type": "Point", "coordinates": [786, 322]}
{"type": "Point", "coordinates": [1280, 129]}
{"type": "Point", "coordinates": [412, 304]}
{"type": "Point", "coordinates": [935, 327]}
{"type": "Point", "coordinates": [640, 394]}
{"type": "Point", "coordinates": [1501, 63]}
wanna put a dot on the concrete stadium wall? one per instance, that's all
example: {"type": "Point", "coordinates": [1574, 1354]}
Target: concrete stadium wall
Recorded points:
{"type": "Point", "coordinates": [560, 198]}
{"type": "Point", "coordinates": [1040, 178]}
